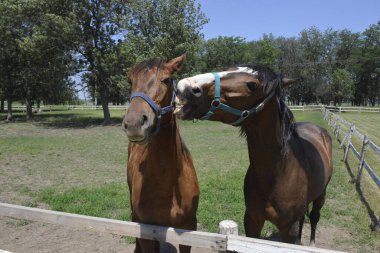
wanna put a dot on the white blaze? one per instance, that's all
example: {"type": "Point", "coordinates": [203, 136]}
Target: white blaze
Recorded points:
{"type": "Point", "coordinates": [207, 78]}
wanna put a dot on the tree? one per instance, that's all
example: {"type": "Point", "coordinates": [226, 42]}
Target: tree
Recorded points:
{"type": "Point", "coordinates": [45, 54]}
{"type": "Point", "coordinates": [368, 85]}
{"type": "Point", "coordinates": [316, 47]}
{"type": "Point", "coordinates": [165, 29]}
{"type": "Point", "coordinates": [99, 24]}
{"type": "Point", "coordinates": [10, 29]}
{"type": "Point", "coordinates": [290, 62]}
{"type": "Point", "coordinates": [36, 56]}
{"type": "Point", "coordinates": [222, 52]}
{"type": "Point", "coordinates": [341, 86]}
{"type": "Point", "coordinates": [263, 51]}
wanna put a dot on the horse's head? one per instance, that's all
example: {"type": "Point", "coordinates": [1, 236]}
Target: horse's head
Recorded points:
{"type": "Point", "coordinates": [152, 90]}
{"type": "Point", "coordinates": [243, 90]}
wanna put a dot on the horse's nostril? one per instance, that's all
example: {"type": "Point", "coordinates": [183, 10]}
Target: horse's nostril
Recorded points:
{"type": "Point", "coordinates": [124, 125]}
{"type": "Point", "coordinates": [196, 90]}
{"type": "Point", "coordinates": [144, 119]}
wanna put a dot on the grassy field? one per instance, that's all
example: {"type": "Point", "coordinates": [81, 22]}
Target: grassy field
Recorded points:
{"type": "Point", "coordinates": [68, 161]}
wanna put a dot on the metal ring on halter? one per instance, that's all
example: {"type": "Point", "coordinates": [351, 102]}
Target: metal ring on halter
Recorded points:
{"type": "Point", "coordinates": [215, 103]}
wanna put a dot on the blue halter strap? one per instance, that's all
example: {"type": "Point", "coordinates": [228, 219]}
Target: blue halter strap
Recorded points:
{"type": "Point", "coordinates": [242, 114]}
{"type": "Point", "coordinates": [156, 108]}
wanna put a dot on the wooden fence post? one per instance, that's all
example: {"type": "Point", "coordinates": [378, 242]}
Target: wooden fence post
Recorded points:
{"type": "Point", "coordinates": [228, 227]}
{"type": "Point", "coordinates": [348, 140]}
{"type": "Point", "coordinates": [361, 163]}
{"type": "Point", "coordinates": [336, 130]}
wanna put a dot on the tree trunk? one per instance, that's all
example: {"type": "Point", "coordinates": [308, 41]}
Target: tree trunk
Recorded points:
{"type": "Point", "coordinates": [29, 111]}
{"type": "Point", "coordinates": [2, 104]}
{"type": "Point", "coordinates": [9, 114]}
{"type": "Point", "coordinates": [106, 111]}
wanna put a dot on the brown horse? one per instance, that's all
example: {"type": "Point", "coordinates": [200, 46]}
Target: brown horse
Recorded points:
{"type": "Point", "coordinates": [162, 181]}
{"type": "Point", "coordinates": [290, 163]}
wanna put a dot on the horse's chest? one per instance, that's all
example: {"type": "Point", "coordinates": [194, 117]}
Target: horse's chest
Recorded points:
{"type": "Point", "coordinates": [156, 208]}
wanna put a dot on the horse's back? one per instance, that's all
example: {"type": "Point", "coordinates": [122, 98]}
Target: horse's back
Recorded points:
{"type": "Point", "coordinates": [313, 150]}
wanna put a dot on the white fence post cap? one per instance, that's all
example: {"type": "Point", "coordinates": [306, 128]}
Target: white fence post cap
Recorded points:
{"type": "Point", "coordinates": [228, 227]}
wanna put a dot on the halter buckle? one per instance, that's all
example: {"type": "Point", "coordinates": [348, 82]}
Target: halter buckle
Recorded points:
{"type": "Point", "coordinates": [159, 113]}
{"type": "Point", "coordinates": [245, 114]}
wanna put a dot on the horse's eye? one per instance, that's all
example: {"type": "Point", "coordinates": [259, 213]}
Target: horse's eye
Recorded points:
{"type": "Point", "coordinates": [252, 86]}
{"type": "Point", "coordinates": [167, 81]}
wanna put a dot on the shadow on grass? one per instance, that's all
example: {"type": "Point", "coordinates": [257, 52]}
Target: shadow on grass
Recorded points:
{"type": "Point", "coordinates": [57, 119]}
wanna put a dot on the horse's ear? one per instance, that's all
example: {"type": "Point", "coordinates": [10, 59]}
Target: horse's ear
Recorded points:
{"type": "Point", "coordinates": [287, 82]}
{"type": "Point", "coordinates": [175, 65]}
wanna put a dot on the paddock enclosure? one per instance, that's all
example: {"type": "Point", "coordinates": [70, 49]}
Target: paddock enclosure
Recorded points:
{"type": "Point", "coordinates": [66, 161]}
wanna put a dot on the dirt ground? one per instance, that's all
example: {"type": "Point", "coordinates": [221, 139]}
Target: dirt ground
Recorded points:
{"type": "Point", "coordinates": [21, 236]}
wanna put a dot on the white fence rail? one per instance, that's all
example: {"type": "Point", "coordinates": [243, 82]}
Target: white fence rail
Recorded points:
{"type": "Point", "coordinates": [211, 241]}
{"type": "Point", "coordinates": [334, 108]}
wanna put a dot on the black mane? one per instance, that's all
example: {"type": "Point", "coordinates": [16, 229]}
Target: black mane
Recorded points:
{"type": "Point", "coordinates": [273, 81]}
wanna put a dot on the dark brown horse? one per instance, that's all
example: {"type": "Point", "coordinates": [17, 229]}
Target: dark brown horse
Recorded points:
{"type": "Point", "coordinates": [290, 163]}
{"type": "Point", "coordinates": [162, 181]}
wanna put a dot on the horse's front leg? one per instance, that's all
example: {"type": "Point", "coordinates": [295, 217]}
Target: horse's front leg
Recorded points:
{"type": "Point", "coordinates": [253, 224]}
{"type": "Point", "coordinates": [146, 246]}
{"type": "Point", "coordinates": [191, 224]}
{"type": "Point", "coordinates": [290, 232]}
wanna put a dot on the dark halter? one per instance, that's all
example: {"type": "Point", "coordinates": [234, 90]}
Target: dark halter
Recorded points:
{"type": "Point", "coordinates": [216, 104]}
{"type": "Point", "coordinates": [156, 108]}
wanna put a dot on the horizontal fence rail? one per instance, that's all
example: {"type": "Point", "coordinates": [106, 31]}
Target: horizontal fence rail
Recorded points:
{"type": "Point", "coordinates": [197, 239]}
{"type": "Point", "coordinates": [123, 107]}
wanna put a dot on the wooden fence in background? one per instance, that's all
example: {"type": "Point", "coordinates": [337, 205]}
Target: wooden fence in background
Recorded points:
{"type": "Point", "coordinates": [336, 123]}
{"type": "Point", "coordinates": [123, 107]}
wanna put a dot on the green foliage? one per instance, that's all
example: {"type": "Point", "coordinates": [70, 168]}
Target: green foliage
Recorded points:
{"type": "Point", "coordinates": [264, 51]}
{"type": "Point", "coordinates": [97, 24]}
{"type": "Point", "coordinates": [341, 86]}
{"type": "Point", "coordinates": [222, 52]}
{"type": "Point", "coordinates": [35, 56]}
{"type": "Point", "coordinates": [165, 29]}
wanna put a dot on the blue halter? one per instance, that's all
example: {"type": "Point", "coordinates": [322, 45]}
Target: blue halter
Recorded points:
{"type": "Point", "coordinates": [156, 108]}
{"type": "Point", "coordinates": [216, 104]}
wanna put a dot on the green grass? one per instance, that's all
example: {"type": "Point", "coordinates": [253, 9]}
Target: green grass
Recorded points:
{"type": "Point", "coordinates": [71, 162]}
{"type": "Point", "coordinates": [108, 200]}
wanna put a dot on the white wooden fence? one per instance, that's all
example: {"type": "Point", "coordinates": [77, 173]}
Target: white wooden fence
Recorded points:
{"type": "Point", "coordinates": [198, 239]}
{"type": "Point", "coordinates": [123, 107]}
{"type": "Point", "coordinates": [334, 108]}
{"type": "Point", "coordinates": [336, 122]}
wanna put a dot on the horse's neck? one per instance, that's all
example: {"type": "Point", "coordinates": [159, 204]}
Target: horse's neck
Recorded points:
{"type": "Point", "coordinates": [163, 149]}
{"type": "Point", "coordinates": [263, 132]}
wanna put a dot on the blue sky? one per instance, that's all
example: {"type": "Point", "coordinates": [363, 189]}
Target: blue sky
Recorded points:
{"type": "Point", "coordinates": [252, 18]}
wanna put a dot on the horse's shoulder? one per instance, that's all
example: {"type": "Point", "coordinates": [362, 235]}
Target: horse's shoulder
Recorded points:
{"type": "Point", "coordinates": [307, 130]}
